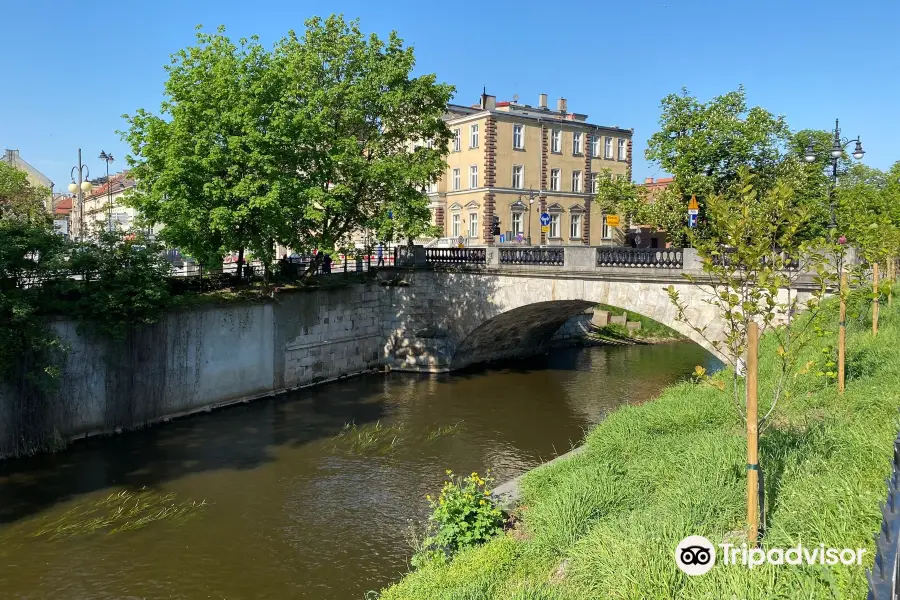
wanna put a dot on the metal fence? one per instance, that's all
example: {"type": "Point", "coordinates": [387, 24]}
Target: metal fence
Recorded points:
{"type": "Point", "coordinates": [884, 576]}
{"type": "Point", "coordinates": [532, 256]}
{"type": "Point", "coordinates": [665, 258]}
{"type": "Point", "coordinates": [456, 256]}
{"type": "Point", "coordinates": [725, 254]}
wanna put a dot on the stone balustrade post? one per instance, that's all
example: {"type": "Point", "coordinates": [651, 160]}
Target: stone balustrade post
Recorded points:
{"type": "Point", "coordinates": [692, 261]}
{"type": "Point", "coordinates": [580, 258]}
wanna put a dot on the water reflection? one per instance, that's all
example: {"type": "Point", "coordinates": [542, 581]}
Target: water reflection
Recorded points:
{"type": "Point", "coordinates": [289, 515]}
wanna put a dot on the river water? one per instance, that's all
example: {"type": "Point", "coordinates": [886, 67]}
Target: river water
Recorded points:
{"type": "Point", "coordinates": [279, 499]}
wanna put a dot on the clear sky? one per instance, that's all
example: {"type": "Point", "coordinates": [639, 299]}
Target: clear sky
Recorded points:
{"type": "Point", "coordinates": [71, 69]}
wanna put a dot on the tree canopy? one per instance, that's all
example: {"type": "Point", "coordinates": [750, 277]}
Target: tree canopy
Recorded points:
{"type": "Point", "coordinates": [324, 135]}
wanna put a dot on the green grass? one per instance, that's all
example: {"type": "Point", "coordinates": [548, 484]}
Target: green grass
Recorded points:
{"type": "Point", "coordinates": [605, 523]}
{"type": "Point", "coordinates": [650, 329]}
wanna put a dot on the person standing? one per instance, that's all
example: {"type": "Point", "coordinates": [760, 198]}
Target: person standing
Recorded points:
{"type": "Point", "coordinates": [380, 262]}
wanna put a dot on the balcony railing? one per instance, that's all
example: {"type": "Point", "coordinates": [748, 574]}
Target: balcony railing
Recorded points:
{"type": "Point", "coordinates": [455, 256]}
{"type": "Point", "coordinates": [532, 256]}
{"type": "Point", "coordinates": [724, 259]}
{"type": "Point", "coordinates": [660, 258]}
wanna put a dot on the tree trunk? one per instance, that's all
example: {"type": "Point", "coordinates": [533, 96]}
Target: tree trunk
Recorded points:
{"type": "Point", "coordinates": [240, 265]}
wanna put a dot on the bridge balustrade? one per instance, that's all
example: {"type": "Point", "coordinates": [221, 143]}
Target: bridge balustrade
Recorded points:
{"type": "Point", "coordinates": [456, 256]}
{"type": "Point", "coordinates": [532, 256]}
{"type": "Point", "coordinates": [665, 258]}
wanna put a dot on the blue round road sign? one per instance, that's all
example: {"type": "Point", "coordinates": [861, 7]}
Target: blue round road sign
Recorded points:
{"type": "Point", "coordinates": [545, 218]}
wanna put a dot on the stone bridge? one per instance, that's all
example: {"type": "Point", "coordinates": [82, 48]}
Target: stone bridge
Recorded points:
{"type": "Point", "coordinates": [509, 302]}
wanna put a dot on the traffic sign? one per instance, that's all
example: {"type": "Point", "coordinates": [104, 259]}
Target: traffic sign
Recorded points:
{"type": "Point", "coordinates": [545, 229]}
{"type": "Point", "coordinates": [692, 205]}
{"type": "Point", "coordinates": [612, 220]}
{"type": "Point", "coordinates": [692, 220]}
{"type": "Point", "coordinates": [693, 211]}
{"type": "Point", "coordinates": [460, 240]}
{"type": "Point", "coordinates": [545, 218]}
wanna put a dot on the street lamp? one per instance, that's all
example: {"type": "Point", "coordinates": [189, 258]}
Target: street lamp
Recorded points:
{"type": "Point", "coordinates": [531, 194]}
{"type": "Point", "coordinates": [835, 153]}
{"type": "Point", "coordinates": [80, 189]}
{"type": "Point", "coordinates": [108, 158]}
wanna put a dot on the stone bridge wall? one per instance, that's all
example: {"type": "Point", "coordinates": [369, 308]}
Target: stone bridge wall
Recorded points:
{"type": "Point", "coordinates": [418, 320]}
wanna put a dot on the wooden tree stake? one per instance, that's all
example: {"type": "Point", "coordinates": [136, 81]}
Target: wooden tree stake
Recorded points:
{"type": "Point", "coordinates": [875, 299]}
{"type": "Point", "coordinates": [842, 333]}
{"type": "Point", "coordinates": [752, 434]}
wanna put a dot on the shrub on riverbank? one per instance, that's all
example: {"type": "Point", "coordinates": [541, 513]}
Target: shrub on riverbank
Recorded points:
{"type": "Point", "coordinates": [605, 523]}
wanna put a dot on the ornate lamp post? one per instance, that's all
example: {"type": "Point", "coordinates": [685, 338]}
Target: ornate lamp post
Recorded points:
{"type": "Point", "coordinates": [531, 194]}
{"type": "Point", "coordinates": [108, 158]}
{"type": "Point", "coordinates": [835, 153]}
{"type": "Point", "coordinates": [80, 189]}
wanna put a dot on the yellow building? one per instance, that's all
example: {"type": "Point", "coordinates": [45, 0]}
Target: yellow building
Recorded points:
{"type": "Point", "coordinates": [514, 161]}
{"type": "Point", "coordinates": [35, 177]}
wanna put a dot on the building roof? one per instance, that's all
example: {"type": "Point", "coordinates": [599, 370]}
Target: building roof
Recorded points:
{"type": "Point", "coordinates": [62, 204]}
{"type": "Point", "coordinates": [659, 184]}
{"type": "Point", "coordinates": [524, 111]}
{"type": "Point", "coordinates": [118, 182]}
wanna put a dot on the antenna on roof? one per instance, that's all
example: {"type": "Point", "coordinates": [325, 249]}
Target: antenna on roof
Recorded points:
{"type": "Point", "coordinates": [516, 98]}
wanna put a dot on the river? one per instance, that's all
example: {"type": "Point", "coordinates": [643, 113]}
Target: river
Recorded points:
{"type": "Point", "coordinates": [279, 498]}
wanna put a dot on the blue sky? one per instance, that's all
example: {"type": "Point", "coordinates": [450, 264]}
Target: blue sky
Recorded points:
{"type": "Point", "coordinates": [71, 69]}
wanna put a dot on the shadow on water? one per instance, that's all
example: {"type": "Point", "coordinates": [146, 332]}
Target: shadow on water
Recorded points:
{"type": "Point", "coordinates": [239, 437]}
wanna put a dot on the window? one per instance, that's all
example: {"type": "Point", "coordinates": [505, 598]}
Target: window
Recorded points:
{"type": "Point", "coordinates": [517, 223]}
{"type": "Point", "coordinates": [455, 179]}
{"type": "Point", "coordinates": [555, 140]}
{"type": "Point", "coordinates": [576, 181]}
{"type": "Point", "coordinates": [595, 145]}
{"type": "Point", "coordinates": [455, 228]}
{"type": "Point", "coordinates": [607, 148]}
{"type": "Point", "coordinates": [473, 136]}
{"type": "Point", "coordinates": [518, 138]}
{"type": "Point", "coordinates": [575, 227]}
{"type": "Point", "coordinates": [594, 176]}
{"type": "Point", "coordinates": [431, 188]}
{"type": "Point", "coordinates": [554, 180]}
{"type": "Point", "coordinates": [576, 142]}
{"type": "Point", "coordinates": [605, 230]}
{"type": "Point", "coordinates": [473, 176]}
{"type": "Point", "coordinates": [622, 150]}
{"type": "Point", "coordinates": [518, 177]}
{"type": "Point", "coordinates": [457, 136]}
{"type": "Point", "coordinates": [429, 144]}
{"type": "Point", "coordinates": [473, 225]}
{"type": "Point", "coordinates": [554, 225]}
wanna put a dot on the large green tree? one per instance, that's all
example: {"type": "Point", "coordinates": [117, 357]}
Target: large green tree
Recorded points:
{"type": "Point", "coordinates": [704, 144]}
{"type": "Point", "coordinates": [323, 136]}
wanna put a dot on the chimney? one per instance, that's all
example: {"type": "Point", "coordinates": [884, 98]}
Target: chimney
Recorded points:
{"type": "Point", "coordinates": [488, 102]}
{"type": "Point", "coordinates": [542, 101]}
{"type": "Point", "coordinates": [561, 105]}
{"type": "Point", "coordinates": [648, 180]}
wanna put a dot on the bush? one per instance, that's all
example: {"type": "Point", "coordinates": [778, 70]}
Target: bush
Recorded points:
{"type": "Point", "coordinates": [463, 515]}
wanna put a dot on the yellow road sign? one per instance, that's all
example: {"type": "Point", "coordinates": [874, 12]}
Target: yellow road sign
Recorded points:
{"type": "Point", "coordinates": [693, 204]}
{"type": "Point", "coordinates": [612, 220]}
{"type": "Point", "coordinates": [545, 229]}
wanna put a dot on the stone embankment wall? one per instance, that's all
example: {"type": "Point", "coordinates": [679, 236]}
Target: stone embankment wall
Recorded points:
{"type": "Point", "coordinates": [211, 356]}
{"type": "Point", "coordinates": [205, 357]}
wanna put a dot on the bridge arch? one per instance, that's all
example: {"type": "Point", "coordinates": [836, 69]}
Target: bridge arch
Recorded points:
{"type": "Point", "coordinates": [449, 320]}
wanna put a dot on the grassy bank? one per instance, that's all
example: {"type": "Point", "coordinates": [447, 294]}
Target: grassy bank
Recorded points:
{"type": "Point", "coordinates": [650, 331]}
{"type": "Point", "coordinates": [605, 523]}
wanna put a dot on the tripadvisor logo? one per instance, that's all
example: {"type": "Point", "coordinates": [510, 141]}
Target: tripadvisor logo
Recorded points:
{"type": "Point", "coordinates": [696, 555]}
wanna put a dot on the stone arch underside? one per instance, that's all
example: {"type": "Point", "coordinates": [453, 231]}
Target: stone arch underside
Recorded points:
{"type": "Point", "coordinates": [519, 332]}
{"type": "Point", "coordinates": [450, 320]}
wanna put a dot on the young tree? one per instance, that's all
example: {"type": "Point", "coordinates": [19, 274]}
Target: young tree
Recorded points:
{"type": "Point", "coordinates": [754, 254]}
